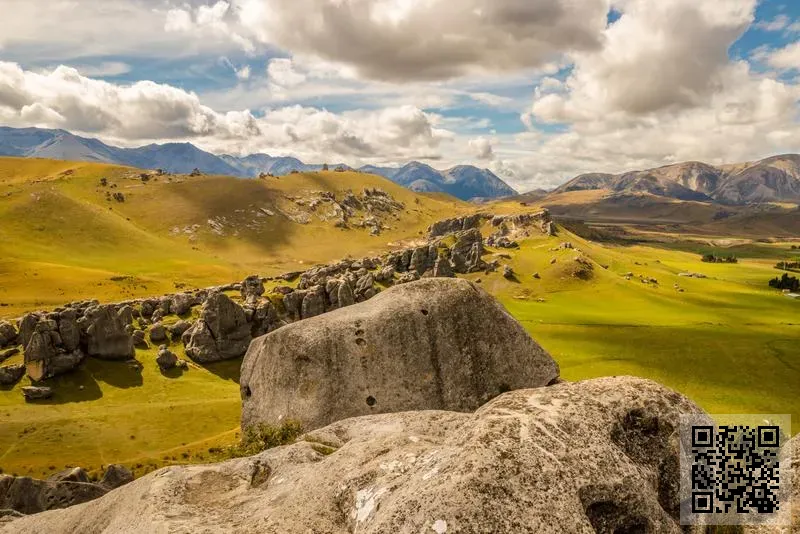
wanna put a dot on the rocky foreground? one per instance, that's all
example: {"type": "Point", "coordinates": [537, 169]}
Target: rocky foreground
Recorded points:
{"type": "Point", "coordinates": [595, 456]}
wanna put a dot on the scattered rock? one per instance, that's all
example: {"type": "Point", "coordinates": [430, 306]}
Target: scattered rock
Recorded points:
{"type": "Point", "coordinates": [11, 374]}
{"type": "Point", "coordinates": [139, 341]}
{"type": "Point", "coordinates": [158, 333]}
{"type": "Point", "coordinates": [166, 359]}
{"type": "Point", "coordinates": [691, 275]}
{"type": "Point", "coordinates": [8, 334]}
{"type": "Point", "coordinates": [37, 392]}
{"type": "Point", "coordinates": [177, 330]}
{"type": "Point", "coordinates": [252, 289]}
{"type": "Point", "coordinates": [508, 273]}
{"type": "Point", "coordinates": [70, 474]}
{"type": "Point", "coordinates": [5, 354]}
{"type": "Point", "coordinates": [459, 348]}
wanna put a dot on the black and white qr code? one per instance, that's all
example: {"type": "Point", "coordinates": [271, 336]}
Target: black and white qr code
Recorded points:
{"type": "Point", "coordinates": [734, 473]}
{"type": "Point", "coordinates": [735, 469]}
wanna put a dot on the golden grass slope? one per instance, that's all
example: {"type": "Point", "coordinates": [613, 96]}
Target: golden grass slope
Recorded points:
{"type": "Point", "coordinates": [62, 239]}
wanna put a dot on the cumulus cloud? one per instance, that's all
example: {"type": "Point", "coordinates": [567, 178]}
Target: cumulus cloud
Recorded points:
{"type": "Point", "coordinates": [217, 20]}
{"type": "Point", "coordinates": [786, 58]}
{"type": "Point", "coordinates": [282, 74]}
{"type": "Point", "coordinates": [401, 40]}
{"type": "Point", "coordinates": [482, 148]}
{"type": "Point", "coordinates": [781, 22]}
{"type": "Point", "coordinates": [144, 111]}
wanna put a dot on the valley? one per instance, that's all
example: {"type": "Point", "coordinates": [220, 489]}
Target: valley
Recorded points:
{"type": "Point", "coordinates": [601, 307]}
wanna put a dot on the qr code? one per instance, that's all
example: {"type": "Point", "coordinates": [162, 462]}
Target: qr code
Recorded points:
{"type": "Point", "coordinates": [733, 473]}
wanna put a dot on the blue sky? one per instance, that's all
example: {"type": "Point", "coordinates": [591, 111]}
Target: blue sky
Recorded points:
{"type": "Point", "coordinates": [537, 93]}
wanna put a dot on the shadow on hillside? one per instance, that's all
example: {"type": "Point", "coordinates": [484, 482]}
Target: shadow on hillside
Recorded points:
{"type": "Point", "coordinates": [119, 374]}
{"type": "Point", "coordinates": [175, 372]}
{"type": "Point", "coordinates": [227, 370]}
{"type": "Point", "coordinates": [77, 386]}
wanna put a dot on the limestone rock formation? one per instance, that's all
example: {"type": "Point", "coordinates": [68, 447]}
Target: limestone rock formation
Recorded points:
{"type": "Point", "coordinates": [115, 476]}
{"type": "Point", "coordinates": [52, 346]}
{"type": "Point", "coordinates": [8, 334]}
{"type": "Point", "coordinates": [106, 337]}
{"type": "Point", "coordinates": [139, 341]}
{"type": "Point", "coordinates": [158, 333]}
{"type": "Point", "coordinates": [221, 333]}
{"type": "Point", "coordinates": [593, 456]}
{"type": "Point", "coordinates": [252, 289]}
{"type": "Point", "coordinates": [11, 374]}
{"type": "Point", "coordinates": [30, 496]}
{"type": "Point", "coordinates": [166, 359]}
{"type": "Point", "coordinates": [37, 392]}
{"type": "Point", "coordinates": [435, 344]}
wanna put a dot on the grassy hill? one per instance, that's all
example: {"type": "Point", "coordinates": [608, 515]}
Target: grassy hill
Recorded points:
{"type": "Point", "coordinates": [63, 239]}
{"type": "Point", "coordinates": [727, 341]}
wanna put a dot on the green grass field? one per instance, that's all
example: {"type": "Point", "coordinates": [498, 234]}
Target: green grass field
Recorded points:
{"type": "Point", "coordinates": [728, 341]}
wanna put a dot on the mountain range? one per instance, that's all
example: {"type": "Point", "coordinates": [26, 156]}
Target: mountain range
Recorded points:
{"type": "Point", "coordinates": [464, 181]}
{"type": "Point", "coordinates": [774, 179]}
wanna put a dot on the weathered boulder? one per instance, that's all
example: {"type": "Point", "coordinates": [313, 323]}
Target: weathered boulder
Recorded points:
{"type": "Point", "coordinates": [116, 476]}
{"type": "Point", "coordinates": [435, 344]}
{"type": "Point", "coordinates": [313, 302]}
{"type": "Point", "coordinates": [385, 275]}
{"type": "Point", "coordinates": [37, 392]}
{"type": "Point", "coordinates": [126, 314]}
{"type": "Point", "coordinates": [70, 474]}
{"type": "Point", "coordinates": [46, 353]}
{"type": "Point", "coordinates": [166, 359]}
{"type": "Point", "coordinates": [459, 224]}
{"type": "Point", "coordinates": [182, 303]}
{"type": "Point", "coordinates": [106, 337]}
{"type": "Point", "coordinates": [177, 330]}
{"type": "Point", "coordinates": [594, 456]}
{"type": "Point", "coordinates": [158, 333]}
{"type": "Point", "coordinates": [11, 374]}
{"type": "Point", "coordinates": [31, 496]}
{"type": "Point", "coordinates": [26, 327]}
{"type": "Point", "coordinates": [365, 287]}
{"type": "Point", "coordinates": [8, 334]}
{"type": "Point", "coordinates": [442, 268]}
{"type": "Point", "coordinates": [344, 295]}
{"type": "Point", "coordinates": [293, 303]}
{"type": "Point", "coordinates": [221, 333]}
{"type": "Point", "coordinates": [7, 353]}
{"type": "Point", "coordinates": [252, 289]}
{"type": "Point", "coordinates": [139, 340]}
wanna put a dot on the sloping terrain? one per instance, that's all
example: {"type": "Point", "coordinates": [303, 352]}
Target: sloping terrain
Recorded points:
{"type": "Point", "coordinates": [773, 179]}
{"type": "Point", "coordinates": [63, 236]}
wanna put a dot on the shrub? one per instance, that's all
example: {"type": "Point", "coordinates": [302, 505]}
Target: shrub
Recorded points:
{"type": "Point", "coordinates": [258, 438]}
{"type": "Point", "coordinates": [786, 282]}
{"type": "Point", "coordinates": [713, 258]}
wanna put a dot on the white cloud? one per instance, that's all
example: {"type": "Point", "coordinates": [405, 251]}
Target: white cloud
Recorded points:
{"type": "Point", "coordinates": [786, 58]}
{"type": "Point", "coordinates": [216, 20]}
{"type": "Point", "coordinates": [283, 75]}
{"type": "Point", "coordinates": [146, 111]}
{"type": "Point", "coordinates": [777, 24]}
{"type": "Point", "coordinates": [243, 73]}
{"type": "Point", "coordinates": [103, 69]}
{"type": "Point", "coordinates": [482, 148]}
{"type": "Point", "coordinates": [401, 40]}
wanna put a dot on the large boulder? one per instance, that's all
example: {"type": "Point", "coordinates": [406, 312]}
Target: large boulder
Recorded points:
{"type": "Point", "coordinates": [595, 456]}
{"type": "Point", "coordinates": [11, 374]}
{"type": "Point", "coordinates": [252, 289]}
{"type": "Point", "coordinates": [221, 333]}
{"type": "Point", "coordinates": [166, 359]}
{"type": "Point", "coordinates": [52, 347]}
{"type": "Point", "coordinates": [434, 344]}
{"type": "Point", "coordinates": [106, 336]}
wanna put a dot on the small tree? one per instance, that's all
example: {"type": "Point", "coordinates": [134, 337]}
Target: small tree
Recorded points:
{"type": "Point", "coordinates": [324, 166]}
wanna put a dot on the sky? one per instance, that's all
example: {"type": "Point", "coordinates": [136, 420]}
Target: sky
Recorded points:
{"type": "Point", "coordinates": [536, 90]}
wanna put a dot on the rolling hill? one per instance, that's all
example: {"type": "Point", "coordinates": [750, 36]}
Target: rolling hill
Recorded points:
{"type": "Point", "coordinates": [774, 179]}
{"type": "Point", "coordinates": [63, 235]}
{"type": "Point", "coordinates": [464, 181]}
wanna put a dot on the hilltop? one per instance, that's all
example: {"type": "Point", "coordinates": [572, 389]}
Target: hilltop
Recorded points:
{"type": "Point", "coordinates": [464, 181]}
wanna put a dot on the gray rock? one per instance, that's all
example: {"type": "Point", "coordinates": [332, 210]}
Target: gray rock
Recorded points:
{"type": "Point", "coordinates": [116, 476]}
{"type": "Point", "coordinates": [593, 456]}
{"type": "Point", "coordinates": [166, 359]}
{"type": "Point", "coordinates": [442, 268]}
{"type": "Point", "coordinates": [508, 273]}
{"type": "Point", "coordinates": [7, 353]}
{"type": "Point", "coordinates": [68, 330]}
{"type": "Point", "coordinates": [435, 344]}
{"type": "Point", "coordinates": [70, 474]}
{"type": "Point", "coordinates": [11, 374]}
{"type": "Point", "coordinates": [31, 496]}
{"type": "Point", "coordinates": [313, 303]}
{"type": "Point", "coordinates": [139, 341]}
{"type": "Point", "coordinates": [363, 286]}
{"type": "Point", "coordinates": [158, 333]}
{"type": "Point", "coordinates": [8, 334]}
{"type": "Point", "coordinates": [385, 275]}
{"type": "Point", "coordinates": [293, 303]}
{"type": "Point", "coordinates": [126, 314]}
{"type": "Point", "coordinates": [182, 303]}
{"type": "Point", "coordinates": [252, 289]}
{"type": "Point", "coordinates": [106, 335]}
{"type": "Point", "coordinates": [26, 327]}
{"type": "Point", "coordinates": [344, 295]}
{"type": "Point", "coordinates": [221, 333]}
{"type": "Point", "coordinates": [37, 392]}
{"type": "Point", "coordinates": [177, 330]}
{"type": "Point", "coordinates": [419, 260]}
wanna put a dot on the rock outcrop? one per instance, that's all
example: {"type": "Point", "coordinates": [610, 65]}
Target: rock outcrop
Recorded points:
{"type": "Point", "coordinates": [11, 374]}
{"type": "Point", "coordinates": [435, 344]}
{"type": "Point", "coordinates": [106, 336]}
{"type": "Point", "coordinates": [53, 342]}
{"type": "Point", "coordinates": [8, 334]}
{"type": "Point", "coordinates": [166, 359]}
{"type": "Point", "coordinates": [221, 333]}
{"type": "Point", "coordinates": [593, 456]}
